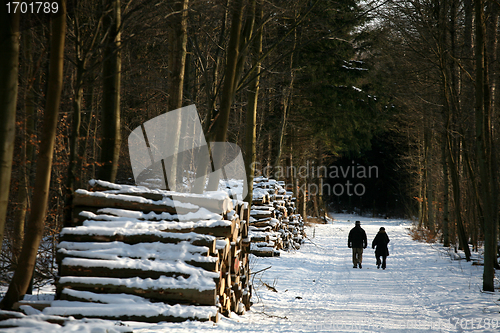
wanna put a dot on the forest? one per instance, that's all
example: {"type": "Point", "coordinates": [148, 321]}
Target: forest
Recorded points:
{"type": "Point", "coordinates": [387, 108]}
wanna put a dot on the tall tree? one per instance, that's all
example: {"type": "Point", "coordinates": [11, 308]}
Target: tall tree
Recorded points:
{"type": "Point", "coordinates": [177, 41]}
{"type": "Point", "coordinates": [219, 130]}
{"type": "Point", "coordinates": [9, 58]}
{"type": "Point", "coordinates": [111, 71]}
{"type": "Point", "coordinates": [27, 131]}
{"type": "Point", "coordinates": [35, 224]}
{"type": "Point", "coordinates": [251, 112]}
{"type": "Point", "coordinates": [483, 146]}
{"type": "Point", "coordinates": [229, 87]}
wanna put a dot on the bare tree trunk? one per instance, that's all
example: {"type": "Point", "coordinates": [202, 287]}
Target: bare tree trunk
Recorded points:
{"type": "Point", "coordinates": [35, 224]}
{"type": "Point", "coordinates": [462, 237]}
{"type": "Point", "coordinates": [446, 194]}
{"type": "Point", "coordinates": [421, 189]}
{"type": "Point", "coordinates": [286, 102]}
{"type": "Point", "coordinates": [219, 130]}
{"type": "Point", "coordinates": [211, 87]}
{"type": "Point", "coordinates": [74, 139]}
{"type": "Point", "coordinates": [9, 60]}
{"type": "Point", "coordinates": [86, 138]}
{"type": "Point", "coordinates": [446, 26]}
{"type": "Point", "coordinates": [428, 178]}
{"type": "Point", "coordinates": [110, 119]}
{"type": "Point", "coordinates": [26, 153]}
{"type": "Point", "coordinates": [228, 90]}
{"type": "Point", "coordinates": [251, 114]}
{"type": "Point", "coordinates": [483, 148]}
{"type": "Point", "coordinates": [492, 14]}
{"type": "Point", "coordinates": [177, 40]}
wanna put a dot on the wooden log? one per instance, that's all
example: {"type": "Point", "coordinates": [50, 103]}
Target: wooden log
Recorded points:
{"type": "Point", "coordinates": [264, 250]}
{"type": "Point", "coordinates": [245, 245]}
{"type": "Point", "coordinates": [218, 231]}
{"type": "Point", "coordinates": [76, 218]}
{"type": "Point", "coordinates": [259, 238]}
{"type": "Point", "coordinates": [263, 224]}
{"type": "Point", "coordinates": [261, 214]}
{"type": "Point", "coordinates": [244, 228]}
{"type": "Point", "coordinates": [117, 312]}
{"type": "Point", "coordinates": [254, 220]}
{"type": "Point", "coordinates": [39, 305]}
{"type": "Point", "coordinates": [125, 201]}
{"type": "Point", "coordinates": [128, 268]}
{"type": "Point", "coordinates": [81, 213]}
{"type": "Point", "coordinates": [265, 253]}
{"type": "Point", "coordinates": [262, 229]}
{"type": "Point", "coordinates": [208, 265]}
{"type": "Point", "coordinates": [236, 231]}
{"type": "Point", "coordinates": [224, 247]}
{"type": "Point", "coordinates": [218, 204]}
{"type": "Point", "coordinates": [234, 301]}
{"type": "Point", "coordinates": [247, 295]}
{"type": "Point", "coordinates": [74, 235]}
{"type": "Point", "coordinates": [269, 206]}
{"type": "Point", "coordinates": [221, 286]}
{"type": "Point", "coordinates": [169, 295]}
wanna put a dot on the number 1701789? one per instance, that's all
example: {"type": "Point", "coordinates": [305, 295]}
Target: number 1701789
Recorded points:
{"type": "Point", "coordinates": [35, 7]}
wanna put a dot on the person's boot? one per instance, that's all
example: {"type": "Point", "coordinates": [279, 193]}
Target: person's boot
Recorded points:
{"type": "Point", "coordinates": [378, 266]}
{"type": "Point", "coordinates": [360, 265]}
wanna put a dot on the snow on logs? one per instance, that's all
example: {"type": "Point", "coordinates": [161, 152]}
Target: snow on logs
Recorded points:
{"type": "Point", "coordinates": [127, 254]}
{"type": "Point", "coordinates": [273, 223]}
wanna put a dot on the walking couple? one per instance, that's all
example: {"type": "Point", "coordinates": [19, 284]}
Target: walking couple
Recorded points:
{"type": "Point", "coordinates": [357, 241]}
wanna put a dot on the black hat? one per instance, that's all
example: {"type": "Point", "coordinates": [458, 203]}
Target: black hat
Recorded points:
{"type": "Point", "coordinates": [382, 229]}
{"type": "Point", "coordinates": [358, 222]}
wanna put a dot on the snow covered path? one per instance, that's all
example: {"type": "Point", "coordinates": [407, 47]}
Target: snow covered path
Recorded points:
{"type": "Point", "coordinates": [421, 290]}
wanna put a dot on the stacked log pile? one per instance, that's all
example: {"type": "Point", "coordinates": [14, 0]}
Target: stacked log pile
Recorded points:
{"type": "Point", "coordinates": [274, 224]}
{"type": "Point", "coordinates": [128, 255]}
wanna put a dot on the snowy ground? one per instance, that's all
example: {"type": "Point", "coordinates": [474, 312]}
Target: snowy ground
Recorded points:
{"type": "Point", "coordinates": [317, 290]}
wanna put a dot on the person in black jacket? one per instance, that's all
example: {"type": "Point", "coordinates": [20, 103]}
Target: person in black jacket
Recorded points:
{"type": "Point", "coordinates": [380, 241]}
{"type": "Point", "coordinates": [357, 241]}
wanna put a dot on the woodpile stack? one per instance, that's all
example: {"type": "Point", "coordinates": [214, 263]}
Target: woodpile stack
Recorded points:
{"type": "Point", "coordinates": [274, 224]}
{"type": "Point", "coordinates": [128, 254]}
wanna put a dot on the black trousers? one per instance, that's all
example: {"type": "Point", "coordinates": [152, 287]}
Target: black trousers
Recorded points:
{"type": "Point", "coordinates": [383, 260]}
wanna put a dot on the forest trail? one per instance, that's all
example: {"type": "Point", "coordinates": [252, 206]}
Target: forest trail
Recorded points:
{"type": "Point", "coordinates": [318, 290]}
